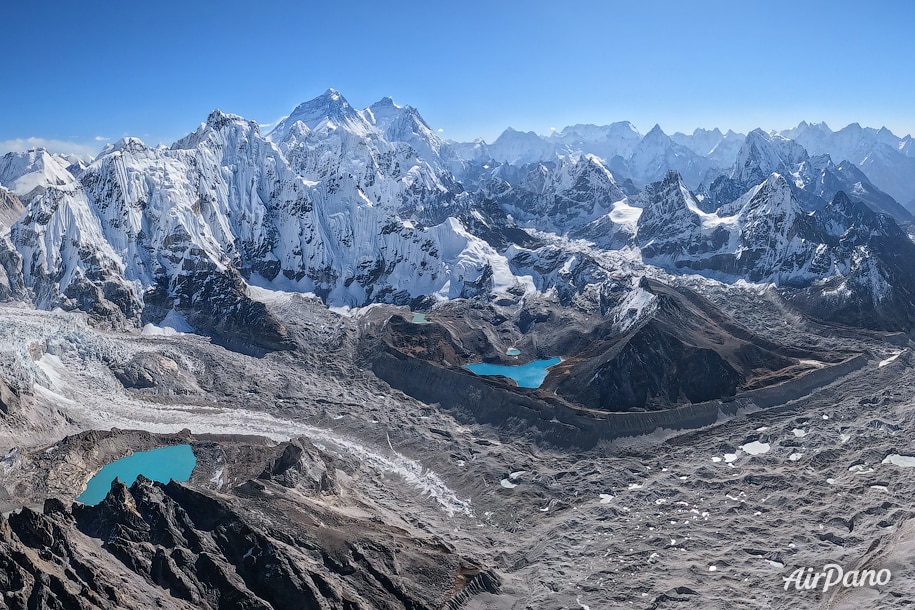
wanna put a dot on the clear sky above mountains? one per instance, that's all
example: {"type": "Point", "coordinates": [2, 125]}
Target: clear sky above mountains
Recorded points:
{"type": "Point", "coordinates": [78, 74]}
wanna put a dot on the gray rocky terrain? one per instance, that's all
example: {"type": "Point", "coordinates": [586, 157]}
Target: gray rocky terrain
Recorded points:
{"type": "Point", "coordinates": [484, 510]}
{"type": "Point", "coordinates": [731, 402]}
{"type": "Point", "coordinates": [283, 538]}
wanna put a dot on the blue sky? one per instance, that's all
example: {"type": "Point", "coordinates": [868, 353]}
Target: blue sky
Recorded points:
{"type": "Point", "coordinates": [78, 73]}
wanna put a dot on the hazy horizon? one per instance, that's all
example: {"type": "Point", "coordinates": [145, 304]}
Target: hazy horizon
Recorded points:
{"type": "Point", "coordinates": [155, 72]}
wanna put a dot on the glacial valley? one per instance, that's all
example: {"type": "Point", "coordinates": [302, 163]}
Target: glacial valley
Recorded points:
{"type": "Point", "coordinates": [730, 397]}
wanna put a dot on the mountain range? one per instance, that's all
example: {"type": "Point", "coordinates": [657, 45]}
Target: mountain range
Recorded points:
{"type": "Point", "coordinates": [727, 320]}
{"type": "Point", "coordinates": [361, 206]}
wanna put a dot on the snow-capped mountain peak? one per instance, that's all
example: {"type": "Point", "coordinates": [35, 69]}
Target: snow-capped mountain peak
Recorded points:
{"type": "Point", "coordinates": [520, 147]}
{"type": "Point", "coordinates": [327, 112]}
{"type": "Point", "coordinates": [587, 133]}
{"type": "Point", "coordinates": [404, 124]}
{"type": "Point", "coordinates": [701, 141]}
{"type": "Point", "coordinates": [22, 173]}
{"type": "Point", "coordinates": [763, 154]}
{"type": "Point", "coordinates": [384, 112]}
{"type": "Point", "coordinates": [657, 152]}
{"type": "Point", "coordinates": [656, 133]}
{"type": "Point", "coordinates": [216, 122]}
{"type": "Point", "coordinates": [127, 143]}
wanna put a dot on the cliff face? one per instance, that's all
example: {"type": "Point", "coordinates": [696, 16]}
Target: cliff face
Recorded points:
{"type": "Point", "coordinates": [269, 543]}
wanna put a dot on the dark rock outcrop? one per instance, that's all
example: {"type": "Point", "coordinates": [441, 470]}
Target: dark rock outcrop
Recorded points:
{"type": "Point", "coordinates": [263, 546]}
{"type": "Point", "coordinates": [215, 303]}
{"type": "Point", "coordinates": [156, 372]}
{"type": "Point", "coordinates": [12, 285]}
{"type": "Point", "coordinates": [655, 366]}
{"type": "Point", "coordinates": [10, 397]}
{"type": "Point", "coordinates": [10, 208]}
{"type": "Point", "coordinates": [685, 351]}
{"type": "Point", "coordinates": [302, 465]}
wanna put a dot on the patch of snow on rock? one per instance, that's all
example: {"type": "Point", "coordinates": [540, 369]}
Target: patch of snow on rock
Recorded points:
{"type": "Point", "coordinates": [890, 360]}
{"type": "Point", "coordinates": [755, 448]}
{"type": "Point", "coordinates": [904, 461]}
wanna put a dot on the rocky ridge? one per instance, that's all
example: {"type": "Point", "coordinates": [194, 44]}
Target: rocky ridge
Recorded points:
{"type": "Point", "coordinates": [274, 541]}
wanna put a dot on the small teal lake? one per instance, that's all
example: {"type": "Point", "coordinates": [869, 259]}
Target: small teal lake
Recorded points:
{"type": "Point", "coordinates": [176, 462]}
{"type": "Point", "coordinates": [530, 375]}
{"type": "Point", "coordinates": [420, 318]}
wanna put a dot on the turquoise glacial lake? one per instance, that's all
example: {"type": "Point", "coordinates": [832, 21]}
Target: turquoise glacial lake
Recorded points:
{"type": "Point", "coordinates": [175, 462]}
{"type": "Point", "coordinates": [530, 375]}
{"type": "Point", "coordinates": [420, 318]}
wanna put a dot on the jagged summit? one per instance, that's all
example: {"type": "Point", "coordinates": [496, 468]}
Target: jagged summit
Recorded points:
{"type": "Point", "coordinates": [585, 133]}
{"type": "Point", "coordinates": [405, 124]}
{"type": "Point", "coordinates": [128, 143]}
{"type": "Point", "coordinates": [655, 133]}
{"type": "Point", "coordinates": [218, 119]}
{"type": "Point", "coordinates": [714, 131]}
{"type": "Point", "coordinates": [328, 111]}
{"type": "Point", "coordinates": [681, 278]}
{"type": "Point", "coordinates": [762, 154]}
{"type": "Point", "coordinates": [217, 127]}
{"type": "Point", "coordinates": [672, 177]}
{"type": "Point", "coordinates": [521, 147]}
